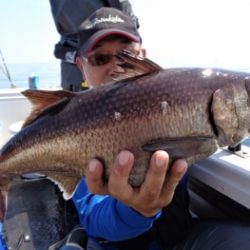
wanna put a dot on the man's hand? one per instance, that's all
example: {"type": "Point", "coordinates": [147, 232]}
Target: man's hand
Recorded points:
{"type": "Point", "coordinates": [156, 191]}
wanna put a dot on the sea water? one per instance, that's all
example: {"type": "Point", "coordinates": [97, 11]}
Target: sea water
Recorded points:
{"type": "Point", "coordinates": [47, 73]}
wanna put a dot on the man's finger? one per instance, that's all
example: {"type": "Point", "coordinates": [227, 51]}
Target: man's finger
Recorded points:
{"type": "Point", "coordinates": [94, 178]}
{"type": "Point", "coordinates": [118, 181]}
{"type": "Point", "coordinates": [173, 178]}
{"type": "Point", "coordinates": [152, 186]}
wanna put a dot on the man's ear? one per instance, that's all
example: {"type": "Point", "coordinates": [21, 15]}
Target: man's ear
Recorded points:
{"type": "Point", "coordinates": [79, 63]}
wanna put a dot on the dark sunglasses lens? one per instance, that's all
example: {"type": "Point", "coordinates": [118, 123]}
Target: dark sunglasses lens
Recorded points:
{"type": "Point", "coordinates": [100, 59]}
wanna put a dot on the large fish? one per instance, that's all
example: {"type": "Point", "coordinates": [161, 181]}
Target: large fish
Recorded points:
{"type": "Point", "coordinates": [189, 112]}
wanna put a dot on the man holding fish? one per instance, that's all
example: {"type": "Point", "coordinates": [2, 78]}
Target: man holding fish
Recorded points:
{"type": "Point", "coordinates": [114, 214]}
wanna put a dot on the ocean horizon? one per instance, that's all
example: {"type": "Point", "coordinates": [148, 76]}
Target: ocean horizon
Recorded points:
{"type": "Point", "coordinates": [48, 74]}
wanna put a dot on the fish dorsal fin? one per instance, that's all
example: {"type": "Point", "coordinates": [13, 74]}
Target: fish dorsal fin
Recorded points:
{"type": "Point", "coordinates": [134, 65]}
{"type": "Point", "coordinates": [42, 100]}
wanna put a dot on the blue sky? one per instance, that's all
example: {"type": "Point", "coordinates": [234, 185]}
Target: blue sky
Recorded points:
{"type": "Point", "coordinates": [175, 32]}
{"type": "Point", "coordinates": [196, 32]}
{"type": "Point", "coordinates": [27, 31]}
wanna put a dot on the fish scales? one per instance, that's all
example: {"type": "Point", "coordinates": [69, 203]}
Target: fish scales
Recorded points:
{"type": "Point", "coordinates": [171, 110]}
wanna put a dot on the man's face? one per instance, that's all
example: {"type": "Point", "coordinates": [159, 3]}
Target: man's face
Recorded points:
{"type": "Point", "coordinates": [100, 66]}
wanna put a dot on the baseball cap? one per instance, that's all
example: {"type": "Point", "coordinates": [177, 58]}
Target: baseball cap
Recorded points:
{"type": "Point", "coordinates": [104, 22]}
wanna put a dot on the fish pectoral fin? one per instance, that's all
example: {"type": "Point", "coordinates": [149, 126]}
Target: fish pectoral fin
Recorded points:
{"type": "Point", "coordinates": [181, 147]}
{"type": "Point", "coordinates": [67, 184]}
{"type": "Point", "coordinates": [44, 100]}
{"type": "Point", "coordinates": [134, 65]}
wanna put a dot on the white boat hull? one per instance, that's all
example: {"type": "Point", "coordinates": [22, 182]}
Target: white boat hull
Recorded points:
{"type": "Point", "coordinates": [14, 108]}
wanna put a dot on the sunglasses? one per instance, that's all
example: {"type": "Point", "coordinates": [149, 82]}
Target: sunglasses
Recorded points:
{"type": "Point", "coordinates": [99, 59]}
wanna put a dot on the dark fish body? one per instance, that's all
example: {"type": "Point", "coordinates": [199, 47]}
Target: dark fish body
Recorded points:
{"type": "Point", "coordinates": [188, 112]}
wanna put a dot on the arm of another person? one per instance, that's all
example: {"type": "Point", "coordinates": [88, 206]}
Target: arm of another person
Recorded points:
{"type": "Point", "coordinates": [116, 211]}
